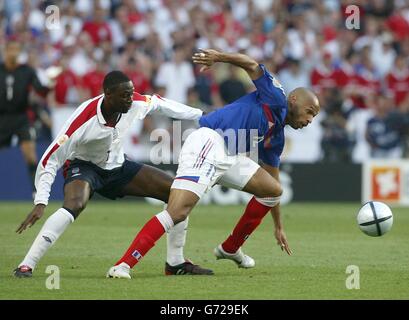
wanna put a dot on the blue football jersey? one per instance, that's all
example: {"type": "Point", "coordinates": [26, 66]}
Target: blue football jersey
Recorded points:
{"type": "Point", "coordinates": [256, 120]}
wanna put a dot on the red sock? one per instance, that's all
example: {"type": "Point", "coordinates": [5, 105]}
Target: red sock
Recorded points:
{"type": "Point", "coordinates": [143, 242]}
{"type": "Point", "coordinates": [255, 212]}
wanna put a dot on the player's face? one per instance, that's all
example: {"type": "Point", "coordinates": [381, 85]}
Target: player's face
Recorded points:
{"type": "Point", "coordinates": [12, 51]}
{"type": "Point", "coordinates": [302, 115]}
{"type": "Point", "coordinates": [121, 98]}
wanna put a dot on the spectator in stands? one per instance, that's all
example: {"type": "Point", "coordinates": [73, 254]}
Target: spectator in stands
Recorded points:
{"type": "Point", "coordinates": [97, 27]}
{"type": "Point", "coordinates": [398, 82]}
{"type": "Point", "coordinates": [231, 88]}
{"type": "Point", "coordinates": [91, 82]}
{"type": "Point", "coordinates": [384, 130]}
{"type": "Point", "coordinates": [336, 143]}
{"type": "Point", "coordinates": [275, 32]}
{"type": "Point", "coordinates": [65, 97]}
{"type": "Point", "coordinates": [70, 24]}
{"type": "Point", "coordinates": [176, 76]}
{"type": "Point", "coordinates": [141, 83]}
{"type": "Point", "coordinates": [293, 76]}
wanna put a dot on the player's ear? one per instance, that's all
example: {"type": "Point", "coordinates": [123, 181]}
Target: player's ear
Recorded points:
{"type": "Point", "coordinates": [108, 92]}
{"type": "Point", "coordinates": [291, 99]}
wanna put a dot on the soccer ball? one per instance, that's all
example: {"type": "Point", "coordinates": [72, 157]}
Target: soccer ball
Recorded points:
{"type": "Point", "coordinates": [375, 218]}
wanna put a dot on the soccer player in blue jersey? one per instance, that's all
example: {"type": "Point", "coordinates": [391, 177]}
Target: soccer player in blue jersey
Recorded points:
{"type": "Point", "coordinates": [218, 152]}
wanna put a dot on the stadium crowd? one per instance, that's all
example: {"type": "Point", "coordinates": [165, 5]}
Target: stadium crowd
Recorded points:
{"type": "Point", "coordinates": [361, 73]}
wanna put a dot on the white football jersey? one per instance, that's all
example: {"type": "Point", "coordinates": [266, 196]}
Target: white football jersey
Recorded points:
{"type": "Point", "coordinates": [86, 136]}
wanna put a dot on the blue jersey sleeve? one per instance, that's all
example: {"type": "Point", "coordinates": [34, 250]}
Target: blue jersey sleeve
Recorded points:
{"type": "Point", "coordinates": [270, 90]}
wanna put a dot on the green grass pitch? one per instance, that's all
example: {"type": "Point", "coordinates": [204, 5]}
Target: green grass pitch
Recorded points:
{"type": "Point", "coordinates": [324, 238]}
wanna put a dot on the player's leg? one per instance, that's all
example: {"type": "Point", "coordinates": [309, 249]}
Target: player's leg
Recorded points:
{"type": "Point", "coordinates": [76, 195]}
{"type": "Point", "coordinates": [193, 178]}
{"type": "Point", "coordinates": [27, 148]}
{"type": "Point", "coordinates": [8, 128]}
{"type": "Point", "coordinates": [181, 202]}
{"type": "Point", "coordinates": [155, 183]}
{"type": "Point", "coordinates": [26, 136]}
{"type": "Point", "coordinates": [263, 185]}
{"type": "Point", "coordinates": [5, 136]}
{"type": "Point", "coordinates": [246, 175]}
{"type": "Point", "coordinates": [149, 182]}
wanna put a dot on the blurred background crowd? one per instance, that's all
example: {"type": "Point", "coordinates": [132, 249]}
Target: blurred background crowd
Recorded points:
{"type": "Point", "coordinates": [361, 75]}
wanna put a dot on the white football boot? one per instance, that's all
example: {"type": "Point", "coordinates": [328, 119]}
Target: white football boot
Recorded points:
{"type": "Point", "coordinates": [242, 260]}
{"type": "Point", "coordinates": [122, 270]}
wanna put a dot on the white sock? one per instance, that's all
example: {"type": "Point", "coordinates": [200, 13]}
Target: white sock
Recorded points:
{"type": "Point", "coordinates": [176, 239]}
{"type": "Point", "coordinates": [52, 229]}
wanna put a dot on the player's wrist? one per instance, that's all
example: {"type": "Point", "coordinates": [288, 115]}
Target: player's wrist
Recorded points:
{"type": "Point", "coordinates": [278, 227]}
{"type": "Point", "coordinates": [223, 57]}
{"type": "Point", "coordinates": [39, 203]}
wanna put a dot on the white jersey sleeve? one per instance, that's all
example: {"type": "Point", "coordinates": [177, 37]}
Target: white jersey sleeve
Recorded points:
{"type": "Point", "coordinates": [173, 109]}
{"type": "Point", "coordinates": [146, 104]}
{"type": "Point", "coordinates": [53, 159]}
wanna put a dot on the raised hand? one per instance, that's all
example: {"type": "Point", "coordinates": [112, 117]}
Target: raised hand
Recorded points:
{"type": "Point", "coordinates": [206, 57]}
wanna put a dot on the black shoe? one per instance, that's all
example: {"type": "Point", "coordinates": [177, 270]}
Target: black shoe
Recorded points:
{"type": "Point", "coordinates": [23, 272]}
{"type": "Point", "coordinates": [186, 268]}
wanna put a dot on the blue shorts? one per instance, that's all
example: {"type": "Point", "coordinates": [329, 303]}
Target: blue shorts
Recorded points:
{"type": "Point", "coordinates": [108, 183]}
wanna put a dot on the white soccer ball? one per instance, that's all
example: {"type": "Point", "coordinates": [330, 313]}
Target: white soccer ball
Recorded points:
{"type": "Point", "coordinates": [375, 218]}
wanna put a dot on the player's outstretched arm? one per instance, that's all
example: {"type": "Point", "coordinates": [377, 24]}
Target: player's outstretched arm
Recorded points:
{"type": "Point", "coordinates": [279, 230]}
{"type": "Point", "coordinates": [51, 161]}
{"type": "Point", "coordinates": [275, 212]}
{"type": "Point", "coordinates": [208, 57]}
{"type": "Point", "coordinates": [174, 109]}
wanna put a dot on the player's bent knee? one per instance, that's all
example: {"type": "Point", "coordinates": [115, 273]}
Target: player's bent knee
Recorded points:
{"type": "Point", "coordinates": [278, 191]}
{"type": "Point", "coordinates": [274, 190]}
{"type": "Point", "coordinates": [270, 192]}
{"type": "Point", "coordinates": [179, 217]}
{"type": "Point", "coordinates": [179, 214]}
{"type": "Point", "coordinates": [76, 205]}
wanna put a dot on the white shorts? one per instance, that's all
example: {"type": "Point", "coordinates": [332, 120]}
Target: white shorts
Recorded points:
{"type": "Point", "coordinates": [203, 162]}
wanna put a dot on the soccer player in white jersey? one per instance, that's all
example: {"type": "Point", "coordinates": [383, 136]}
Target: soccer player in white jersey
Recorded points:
{"type": "Point", "coordinates": [215, 152]}
{"type": "Point", "coordinates": [90, 147]}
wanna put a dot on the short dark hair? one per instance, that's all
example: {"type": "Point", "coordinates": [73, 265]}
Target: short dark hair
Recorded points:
{"type": "Point", "coordinates": [113, 79]}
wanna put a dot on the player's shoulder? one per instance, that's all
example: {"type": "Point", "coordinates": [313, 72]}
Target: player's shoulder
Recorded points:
{"type": "Point", "coordinates": [88, 107]}
{"type": "Point", "coordinates": [270, 78]}
{"type": "Point", "coordinates": [137, 97]}
{"type": "Point", "coordinates": [92, 100]}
